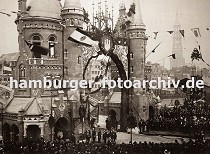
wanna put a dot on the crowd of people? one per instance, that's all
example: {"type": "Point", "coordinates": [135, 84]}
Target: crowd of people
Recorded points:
{"type": "Point", "coordinates": [105, 136]}
{"type": "Point", "coordinates": [68, 147]}
{"type": "Point", "coordinates": [192, 118]}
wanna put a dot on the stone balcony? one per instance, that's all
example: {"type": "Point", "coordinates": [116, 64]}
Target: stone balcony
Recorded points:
{"type": "Point", "coordinates": [42, 61]}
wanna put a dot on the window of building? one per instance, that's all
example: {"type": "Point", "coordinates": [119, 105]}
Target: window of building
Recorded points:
{"type": "Point", "coordinates": [131, 34]}
{"type": "Point", "coordinates": [72, 21]}
{"type": "Point", "coordinates": [131, 69]}
{"type": "Point", "coordinates": [22, 71]}
{"type": "Point", "coordinates": [66, 70]}
{"type": "Point", "coordinates": [131, 54]}
{"type": "Point", "coordinates": [36, 40]}
{"type": "Point", "coordinates": [67, 22]}
{"type": "Point", "coordinates": [76, 22]}
{"type": "Point", "coordinates": [79, 58]}
{"type": "Point", "coordinates": [52, 46]}
{"type": "Point", "coordinates": [65, 53]}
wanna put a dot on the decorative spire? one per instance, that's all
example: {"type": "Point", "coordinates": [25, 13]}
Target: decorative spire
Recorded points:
{"type": "Point", "coordinates": [137, 17]}
{"type": "Point", "coordinates": [177, 19]}
{"type": "Point", "coordinates": [122, 5]}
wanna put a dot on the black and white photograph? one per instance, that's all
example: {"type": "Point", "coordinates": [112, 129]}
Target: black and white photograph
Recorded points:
{"type": "Point", "coordinates": [104, 77]}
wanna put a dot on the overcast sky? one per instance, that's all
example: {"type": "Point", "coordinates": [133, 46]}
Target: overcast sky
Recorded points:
{"type": "Point", "coordinates": [158, 15]}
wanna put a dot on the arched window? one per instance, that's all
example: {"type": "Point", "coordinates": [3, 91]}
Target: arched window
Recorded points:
{"type": "Point", "coordinates": [131, 54]}
{"type": "Point", "coordinates": [79, 59]}
{"type": "Point", "coordinates": [66, 70]}
{"type": "Point", "coordinates": [65, 53]}
{"type": "Point", "coordinates": [36, 40]}
{"type": "Point", "coordinates": [67, 22]}
{"type": "Point", "coordinates": [72, 21]}
{"type": "Point", "coordinates": [76, 22]}
{"type": "Point", "coordinates": [131, 69]}
{"type": "Point", "coordinates": [52, 46]}
{"type": "Point", "coordinates": [22, 71]}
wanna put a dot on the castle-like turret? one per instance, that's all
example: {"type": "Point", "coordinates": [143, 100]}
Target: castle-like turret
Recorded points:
{"type": "Point", "coordinates": [73, 15]}
{"type": "Point", "coordinates": [136, 34]}
{"type": "Point", "coordinates": [137, 50]}
{"type": "Point", "coordinates": [38, 23]}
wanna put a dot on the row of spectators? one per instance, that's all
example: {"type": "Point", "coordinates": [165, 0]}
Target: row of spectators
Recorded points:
{"type": "Point", "coordinates": [67, 147]}
{"type": "Point", "coordinates": [107, 135]}
{"type": "Point", "coordinates": [191, 118]}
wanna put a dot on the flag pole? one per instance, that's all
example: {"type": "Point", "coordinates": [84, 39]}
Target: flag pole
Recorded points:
{"type": "Point", "coordinates": [153, 50]}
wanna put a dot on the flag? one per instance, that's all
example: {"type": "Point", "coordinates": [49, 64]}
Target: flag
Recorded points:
{"type": "Point", "coordinates": [196, 32]}
{"type": "Point", "coordinates": [182, 32]}
{"type": "Point", "coordinates": [6, 68]}
{"type": "Point", "coordinates": [156, 47]}
{"type": "Point", "coordinates": [37, 49]}
{"type": "Point", "coordinates": [131, 10]}
{"type": "Point", "coordinates": [170, 32]}
{"type": "Point", "coordinates": [173, 56]}
{"type": "Point", "coordinates": [155, 34]}
{"type": "Point", "coordinates": [81, 37]}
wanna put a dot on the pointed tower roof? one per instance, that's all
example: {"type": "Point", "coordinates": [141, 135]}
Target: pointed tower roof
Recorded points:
{"type": "Point", "coordinates": [72, 4]}
{"type": "Point", "coordinates": [177, 19]}
{"type": "Point", "coordinates": [137, 17]}
{"type": "Point", "coordinates": [45, 8]}
{"type": "Point", "coordinates": [34, 108]}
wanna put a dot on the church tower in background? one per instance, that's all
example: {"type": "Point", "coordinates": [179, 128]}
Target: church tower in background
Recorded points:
{"type": "Point", "coordinates": [177, 46]}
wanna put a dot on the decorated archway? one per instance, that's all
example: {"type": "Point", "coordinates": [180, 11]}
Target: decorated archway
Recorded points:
{"type": "Point", "coordinates": [33, 132]}
{"type": "Point", "coordinates": [61, 128]}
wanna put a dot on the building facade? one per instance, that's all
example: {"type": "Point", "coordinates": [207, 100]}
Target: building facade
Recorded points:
{"type": "Point", "coordinates": [44, 112]}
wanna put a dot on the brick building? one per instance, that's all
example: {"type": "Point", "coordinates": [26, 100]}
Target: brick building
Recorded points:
{"type": "Point", "coordinates": [49, 112]}
{"type": "Point", "coordinates": [27, 110]}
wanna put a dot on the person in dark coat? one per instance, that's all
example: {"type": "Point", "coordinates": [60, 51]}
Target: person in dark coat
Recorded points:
{"type": "Point", "coordinates": [99, 135]}
{"type": "Point", "coordinates": [105, 136]}
{"type": "Point", "coordinates": [94, 135]}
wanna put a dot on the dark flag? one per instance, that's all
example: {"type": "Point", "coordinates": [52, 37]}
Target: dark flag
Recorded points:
{"type": "Point", "coordinates": [37, 49]}
{"type": "Point", "coordinates": [173, 56]}
{"type": "Point", "coordinates": [182, 32]}
{"type": "Point", "coordinates": [131, 10]}
{"type": "Point", "coordinates": [196, 32]}
{"type": "Point", "coordinates": [155, 34]}
{"type": "Point", "coordinates": [170, 32]}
